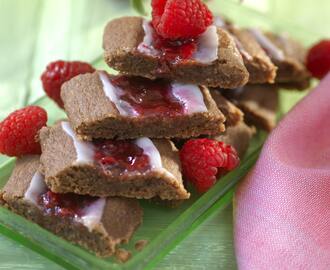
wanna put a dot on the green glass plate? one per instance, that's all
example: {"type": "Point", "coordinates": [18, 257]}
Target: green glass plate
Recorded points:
{"type": "Point", "coordinates": [164, 228]}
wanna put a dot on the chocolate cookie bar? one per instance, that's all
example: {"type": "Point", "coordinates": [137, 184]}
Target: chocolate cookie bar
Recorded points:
{"type": "Point", "coordinates": [97, 224]}
{"type": "Point", "coordinates": [100, 105]}
{"type": "Point", "coordinates": [259, 104]}
{"type": "Point", "coordinates": [288, 55]}
{"type": "Point", "coordinates": [258, 64]}
{"type": "Point", "coordinates": [140, 168]}
{"type": "Point", "coordinates": [301, 85]}
{"type": "Point", "coordinates": [132, 47]}
{"type": "Point", "coordinates": [232, 113]}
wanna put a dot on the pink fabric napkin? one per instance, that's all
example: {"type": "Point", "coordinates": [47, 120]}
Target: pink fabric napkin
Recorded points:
{"type": "Point", "coordinates": [282, 208]}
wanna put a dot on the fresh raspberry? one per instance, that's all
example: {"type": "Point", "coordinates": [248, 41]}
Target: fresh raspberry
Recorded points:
{"type": "Point", "coordinates": [158, 7]}
{"type": "Point", "coordinates": [204, 160]}
{"type": "Point", "coordinates": [18, 132]}
{"type": "Point", "coordinates": [59, 72]}
{"type": "Point", "coordinates": [318, 59]}
{"type": "Point", "coordinates": [180, 19]}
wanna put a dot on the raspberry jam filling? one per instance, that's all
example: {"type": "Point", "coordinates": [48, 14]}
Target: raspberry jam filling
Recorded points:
{"type": "Point", "coordinates": [116, 156]}
{"type": "Point", "coordinates": [81, 208]}
{"type": "Point", "coordinates": [134, 96]}
{"type": "Point", "coordinates": [148, 97]}
{"type": "Point", "coordinates": [174, 51]}
{"type": "Point", "coordinates": [65, 205]}
{"type": "Point", "coordinates": [203, 49]}
{"type": "Point", "coordinates": [121, 157]}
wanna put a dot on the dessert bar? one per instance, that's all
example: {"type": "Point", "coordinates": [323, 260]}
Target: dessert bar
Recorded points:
{"type": "Point", "coordinates": [132, 46]}
{"type": "Point", "coordinates": [97, 224]}
{"type": "Point", "coordinates": [100, 105]}
{"type": "Point", "coordinates": [140, 168]}
{"type": "Point", "coordinates": [186, 80]}
{"type": "Point", "coordinates": [232, 113]}
{"type": "Point", "coordinates": [298, 85]}
{"type": "Point", "coordinates": [288, 55]}
{"type": "Point", "coordinates": [262, 50]}
{"type": "Point", "coordinates": [258, 64]}
{"type": "Point", "coordinates": [258, 102]}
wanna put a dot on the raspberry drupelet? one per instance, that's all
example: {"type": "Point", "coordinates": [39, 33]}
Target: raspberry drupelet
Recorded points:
{"type": "Point", "coordinates": [204, 160]}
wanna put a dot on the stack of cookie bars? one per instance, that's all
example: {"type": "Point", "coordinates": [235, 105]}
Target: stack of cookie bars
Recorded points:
{"type": "Point", "coordinates": [120, 142]}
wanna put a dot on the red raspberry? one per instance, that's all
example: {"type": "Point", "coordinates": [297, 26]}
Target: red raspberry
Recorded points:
{"type": "Point", "coordinates": [18, 132]}
{"type": "Point", "coordinates": [318, 59]}
{"type": "Point", "coordinates": [180, 19]}
{"type": "Point", "coordinates": [204, 160]}
{"type": "Point", "coordinates": [59, 72]}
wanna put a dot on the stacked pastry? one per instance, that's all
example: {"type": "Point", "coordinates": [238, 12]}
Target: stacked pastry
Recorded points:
{"type": "Point", "coordinates": [117, 144]}
{"type": "Point", "coordinates": [227, 58]}
{"type": "Point", "coordinates": [274, 61]}
{"type": "Point", "coordinates": [98, 224]}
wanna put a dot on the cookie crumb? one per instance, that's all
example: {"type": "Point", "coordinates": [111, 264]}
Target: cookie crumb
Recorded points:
{"type": "Point", "coordinates": [139, 245]}
{"type": "Point", "coordinates": [123, 255]}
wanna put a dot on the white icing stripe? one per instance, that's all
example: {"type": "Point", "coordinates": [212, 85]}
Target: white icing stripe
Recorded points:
{"type": "Point", "coordinates": [267, 45]}
{"type": "Point", "coordinates": [146, 45]}
{"type": "Point", "coordinates": [92, 214]}
{"type": "Point", "coordinates": [191, 97]}
{"type": "Point", "coordinates": [207, 46]}
{"type": "Point", "coordinates": [151, 151]}
{"type": "Point", "coordinates": [219, 22]}
{"type": "Point", "coordinates": [113, 93]}
{"type": "Point", "coordinates": [37, 187]}
{"type": "Point", "coordinates": [84, 150]}
{"type": "Point", "coordinates": [154, 156]}
{"type": "Point", "coordinates": [241, 49]}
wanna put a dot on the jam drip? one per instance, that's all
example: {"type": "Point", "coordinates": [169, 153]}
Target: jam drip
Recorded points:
{"type": "Point", "coordinates": [120, 157]}
{"type": "Point", "coordinates": [149, 97]}
{"type": "Point", "coordinates": [65, 205]}
{"type": "Point", "coordinates": [202, 49]}
{"type": "Point", "coordinates": [174, 51]}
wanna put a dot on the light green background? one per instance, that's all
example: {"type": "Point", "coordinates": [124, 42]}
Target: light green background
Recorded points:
{"type": "Point", "coordinates": [35, 32]}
